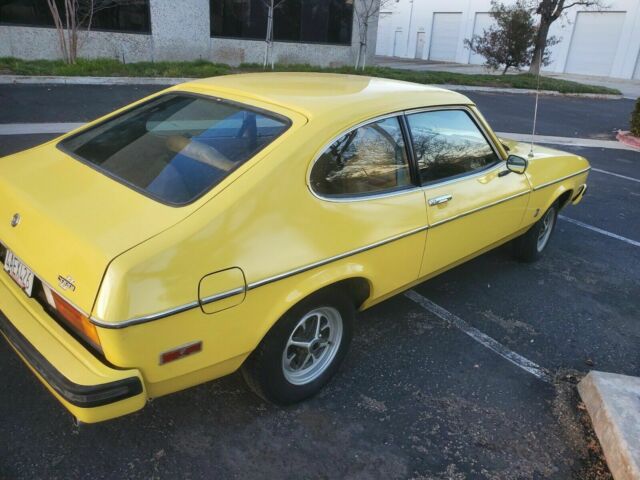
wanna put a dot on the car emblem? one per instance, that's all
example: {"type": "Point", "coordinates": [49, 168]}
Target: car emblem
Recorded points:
{"type": "Point", "coordinates": [66, 283]}
{"type": "Point", "coordinates": [15, 220]}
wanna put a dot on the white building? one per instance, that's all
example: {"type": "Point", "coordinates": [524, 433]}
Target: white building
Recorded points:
{"type": "Point", "coordinates": [603, 43]}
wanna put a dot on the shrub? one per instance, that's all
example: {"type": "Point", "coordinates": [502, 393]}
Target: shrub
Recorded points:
{"type": "Point", "coordinates": [635, 120]}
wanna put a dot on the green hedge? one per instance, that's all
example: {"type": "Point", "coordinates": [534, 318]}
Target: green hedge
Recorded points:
{"type": "Point", "coordinates": [635, 120]}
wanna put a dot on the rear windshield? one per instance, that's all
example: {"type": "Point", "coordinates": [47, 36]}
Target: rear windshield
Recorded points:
{"type": "Point", "coordinates": [176, 147]}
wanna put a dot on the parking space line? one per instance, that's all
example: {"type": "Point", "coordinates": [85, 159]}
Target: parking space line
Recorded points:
{"type": "Point", "coordinates": [615, 175]}
{"type": "Point", "coordinates": [480, 337]}
{"type": "Point", "coordinates": [600, 230]}
{"type": "Point", "coordinates": [36, 128]}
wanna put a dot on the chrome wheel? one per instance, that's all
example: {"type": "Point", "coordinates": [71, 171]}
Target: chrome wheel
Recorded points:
{"type": "Point", "coordinates": [312, 346]}
{"type": "Point", "coordinates": [547, 227]}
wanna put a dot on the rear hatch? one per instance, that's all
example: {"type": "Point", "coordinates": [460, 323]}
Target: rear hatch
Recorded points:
{"type": "Point", "coordinates": [73, 219]}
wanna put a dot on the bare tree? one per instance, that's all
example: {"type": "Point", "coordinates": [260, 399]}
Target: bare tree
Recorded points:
{"type": "Point", "coordinates": [77, 15]}
{"type": "Point", "coordinates": [366, 12]}
{"type": "Point", "coordinates": [550, 11]}
{"type": "Point", "coordinates": [268, 46]}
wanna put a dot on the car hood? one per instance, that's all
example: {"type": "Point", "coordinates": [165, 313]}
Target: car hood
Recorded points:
{"type": "Point", "coordinates": [73, 219]}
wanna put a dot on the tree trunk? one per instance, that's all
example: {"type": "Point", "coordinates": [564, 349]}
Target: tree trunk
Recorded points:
{"type": "Point", "coordinates": [506, 67]}
{"type": "Point", "coordinates": [364, 45]}
{"type": "Point", "coordinates": [540, 44]}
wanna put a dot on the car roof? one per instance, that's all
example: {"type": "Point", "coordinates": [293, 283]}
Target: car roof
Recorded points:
{"type": "Point", "coordinates": [321, 94]}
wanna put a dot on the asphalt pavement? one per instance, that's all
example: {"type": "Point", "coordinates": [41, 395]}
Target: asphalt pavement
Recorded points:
{"type": "Point", "coordinates": [417, 397]}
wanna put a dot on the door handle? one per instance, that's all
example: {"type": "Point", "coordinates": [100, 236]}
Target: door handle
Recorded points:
{"type": "Point", "coordinates": [440, 200]}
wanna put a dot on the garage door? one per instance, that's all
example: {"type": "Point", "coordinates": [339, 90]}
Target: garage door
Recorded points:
{"type": "Point", "coordinates": [481, 23]}
{"type": "Point", "coordinates": [445, 36]}
{"type": "Point", "coordinates": [594, 42]}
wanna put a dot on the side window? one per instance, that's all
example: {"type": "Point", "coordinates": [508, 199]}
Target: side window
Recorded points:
{"type": "Point", "coordinates": [370, 159]}
{"type": "Point", "coordinates": [448, 143]}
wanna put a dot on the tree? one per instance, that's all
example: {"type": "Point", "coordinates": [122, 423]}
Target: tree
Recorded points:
{"type": "Point", "coordinates": [550, 11]}
{"type": "Point", "coordinates": [78, 15]}
{"type": "Point", "coordinates": [508, 43]}
{"type": "Point", "coordinates": [366, 12]}
{"type": "Point", "coordinates": [268, 47]}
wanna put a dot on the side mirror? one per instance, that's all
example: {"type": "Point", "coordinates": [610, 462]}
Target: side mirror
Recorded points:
{"type": "Point", "coordinates": [517, 164]}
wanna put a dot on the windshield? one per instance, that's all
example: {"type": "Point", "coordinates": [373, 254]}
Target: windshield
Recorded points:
{"type": "Point", "coordinates": [176, 147]}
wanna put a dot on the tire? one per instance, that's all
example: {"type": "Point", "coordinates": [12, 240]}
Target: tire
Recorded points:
{"type": "Point", "coordinates": [283, 373]}
{"type": "Point", "coordinates": [529, 246]}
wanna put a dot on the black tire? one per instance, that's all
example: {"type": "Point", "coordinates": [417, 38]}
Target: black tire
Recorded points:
{"type": "Point", "coordinates": [264, 370]}
{"type": "Point", "coordinates": [526, 247]}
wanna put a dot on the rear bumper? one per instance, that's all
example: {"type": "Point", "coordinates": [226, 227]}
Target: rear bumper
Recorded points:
{"type": "Point", "coordinates": [89, 389]}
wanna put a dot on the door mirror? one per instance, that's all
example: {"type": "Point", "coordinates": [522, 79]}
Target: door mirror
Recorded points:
{"type": "Point", "coordinates": [517, 164]}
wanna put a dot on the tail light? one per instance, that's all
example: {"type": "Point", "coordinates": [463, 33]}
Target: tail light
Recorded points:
{"type": "Point", "coordinates": [73, 317]}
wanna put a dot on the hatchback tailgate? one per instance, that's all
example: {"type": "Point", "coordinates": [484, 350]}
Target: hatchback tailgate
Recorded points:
{"type": "Point", "coordinates": [73, 220]}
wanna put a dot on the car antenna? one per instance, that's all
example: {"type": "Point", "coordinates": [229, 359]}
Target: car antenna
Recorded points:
{"type": "Point", "coordinates": [535, 110]}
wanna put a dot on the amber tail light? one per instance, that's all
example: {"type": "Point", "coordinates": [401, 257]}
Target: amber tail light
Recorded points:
{"type": "Point", "coordinates": [74, 318]}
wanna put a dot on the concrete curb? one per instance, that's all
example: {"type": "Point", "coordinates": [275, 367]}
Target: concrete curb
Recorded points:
{"type": "Point", "coordinates": [613, 402]}
{"type": "Point", "coordinates": [59, 80]}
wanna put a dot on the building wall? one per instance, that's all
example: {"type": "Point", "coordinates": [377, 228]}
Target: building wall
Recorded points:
{"type": "Point", "coordinates": [179, 34]}
{"type": "Point", "coordinates": [400, 26]}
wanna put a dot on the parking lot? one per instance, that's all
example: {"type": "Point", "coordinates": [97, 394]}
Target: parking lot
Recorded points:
{"type": "Point", "coordinates": [426, 391]}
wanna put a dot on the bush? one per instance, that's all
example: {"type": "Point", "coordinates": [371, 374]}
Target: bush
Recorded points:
{"type": "Point", "coordinates": [635, 120]}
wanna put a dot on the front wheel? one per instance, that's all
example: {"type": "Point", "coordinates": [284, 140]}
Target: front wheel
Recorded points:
{"type": "Point", "coordinates": [303, 350]}
{"type": "Point", "coordinates": [529, 246]}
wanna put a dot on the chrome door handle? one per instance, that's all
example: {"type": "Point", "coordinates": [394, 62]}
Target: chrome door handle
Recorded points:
{"type": "Point", "coordinates": [440, 200]}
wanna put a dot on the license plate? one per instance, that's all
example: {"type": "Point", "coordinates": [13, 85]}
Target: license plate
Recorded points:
{"type": "Point", "coordinates": [20, 273]}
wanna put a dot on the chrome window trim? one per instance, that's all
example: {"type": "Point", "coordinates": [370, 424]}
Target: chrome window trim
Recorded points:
{"type": "Point", "coordinates": [553, 182]}
{"type": "Point", "coordinates": [411, 188]}
{"type": "Point", "coordinates": [253, 285]}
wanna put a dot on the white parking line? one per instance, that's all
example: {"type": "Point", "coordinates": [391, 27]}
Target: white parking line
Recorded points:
{"type": "Point", "coordinates": [482, 338]}
{"type": "Point", "coordinates": [615, 175]}
{"type": "Point", "coordinates": [36, 128]}
{"type": "Point", "coordinates": [600, 230]}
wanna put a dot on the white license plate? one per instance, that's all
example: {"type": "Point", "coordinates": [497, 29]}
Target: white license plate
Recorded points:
{"type": "Point", "coordinates": [20, 273]}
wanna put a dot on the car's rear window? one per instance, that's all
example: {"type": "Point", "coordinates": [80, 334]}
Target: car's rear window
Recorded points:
{"type": "Point", "coordinates": [178, 146]}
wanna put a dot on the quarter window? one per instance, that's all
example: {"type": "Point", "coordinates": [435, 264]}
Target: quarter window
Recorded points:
{"type": "Point", "coordinates": [368, 160]}
{"type": "Point", "coordinates": [448, 143]}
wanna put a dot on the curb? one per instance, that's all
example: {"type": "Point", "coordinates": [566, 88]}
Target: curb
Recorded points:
{"type": "Point", "coordinates": [613, 403]}
{"type": "Point", "coordinates": [628, 139]}
{"type": "Point", "coordinates": [60, 80]}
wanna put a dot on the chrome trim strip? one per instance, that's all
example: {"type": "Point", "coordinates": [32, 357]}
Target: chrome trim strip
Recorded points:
{"type": "Point", "coordinates": [320, 263]}
{"type": "Point", "coordinates": [222, 296]}
{"type": "Point", "coordinates": [483, 207]}
{"type": "Point", "coordinates": [251, 286]}
{"type": "Point", "coordinates": [544, 185]}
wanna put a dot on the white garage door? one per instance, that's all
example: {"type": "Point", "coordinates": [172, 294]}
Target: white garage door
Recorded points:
{"type": "Point", "coordinates": [481, 23]}
{"type": "Point", "coordinates": [594, 42]}
{"type": "Point", "coordinates": [444, 36]}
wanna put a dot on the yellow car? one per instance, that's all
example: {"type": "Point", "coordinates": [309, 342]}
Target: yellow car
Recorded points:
{"type": "Point", "coordinates": [241, 221]}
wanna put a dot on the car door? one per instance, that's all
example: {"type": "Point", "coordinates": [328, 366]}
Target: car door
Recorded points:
{"type": "Point", "coordinates": [473, 201]}
{"type": "Point", "coordinates": [371, 202]}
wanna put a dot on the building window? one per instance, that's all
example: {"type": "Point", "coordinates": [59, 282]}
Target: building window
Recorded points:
{"type": "Point", "coordinates": [110, 15]}
{"type": "Point", "coordinates": [305, 21]}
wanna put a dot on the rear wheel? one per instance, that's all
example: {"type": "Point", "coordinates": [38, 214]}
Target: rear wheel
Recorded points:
{"type": "Point", "coordinates": [530, 245]}
{"type": "Point", "coordinates": [303, 350]}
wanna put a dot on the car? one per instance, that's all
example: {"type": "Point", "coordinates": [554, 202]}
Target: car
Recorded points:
{"type": "Point", "coordinates": [240, 222]}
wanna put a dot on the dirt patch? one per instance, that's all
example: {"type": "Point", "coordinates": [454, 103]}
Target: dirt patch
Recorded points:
{"type": "Point", "coordinates": [576, 425]}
